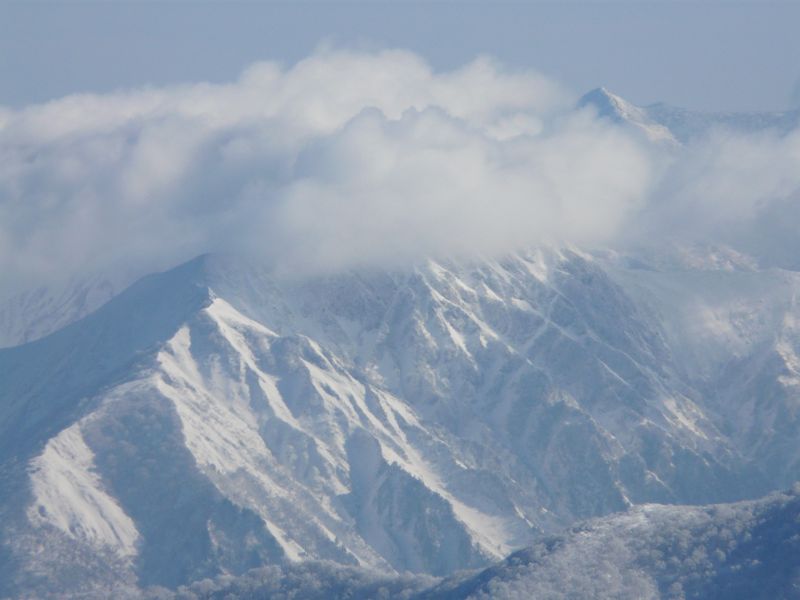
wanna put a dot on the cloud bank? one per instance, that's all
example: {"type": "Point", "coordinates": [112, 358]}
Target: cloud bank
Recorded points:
{"type": "Point", "coordinates": [348, 159]}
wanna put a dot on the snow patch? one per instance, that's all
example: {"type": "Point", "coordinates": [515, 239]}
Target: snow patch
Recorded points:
{"type": "Point", "coordinates": [69, 495]}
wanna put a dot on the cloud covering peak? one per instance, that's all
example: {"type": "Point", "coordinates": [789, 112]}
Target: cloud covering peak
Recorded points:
{"type": "Point", "coordinates": [343, 159]}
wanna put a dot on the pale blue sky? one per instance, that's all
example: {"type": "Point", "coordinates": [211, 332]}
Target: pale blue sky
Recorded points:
{"type": "Point", "coordinates": [705, 55]}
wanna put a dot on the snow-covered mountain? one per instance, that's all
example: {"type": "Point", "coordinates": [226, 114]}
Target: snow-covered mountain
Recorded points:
{"type": "Point", "coordinates": [218, 417]}
{"type": "Point", "coordinates": [664, 123]}
{"type": "Point", "coordinates": [620, 111]}
{"type": "Point", "coordinates": [215, 418]}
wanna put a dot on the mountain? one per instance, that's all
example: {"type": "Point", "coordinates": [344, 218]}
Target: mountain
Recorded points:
{"type": "Point", "coordinates": [215, 417]}
{"type": "Point", "coordinates": [670, 124]}
{"type": "Point", "coordinates": [745, 550]}
{"type": "Point", "coordinates": [621, 112]}
{"type": "Point", "coordinates": [219, 419]}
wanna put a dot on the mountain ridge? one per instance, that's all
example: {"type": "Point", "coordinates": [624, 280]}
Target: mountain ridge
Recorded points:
{"type": "Point", "coordinates": [497, 399]}
{"type": "Point", "coordinates": [661, 122]}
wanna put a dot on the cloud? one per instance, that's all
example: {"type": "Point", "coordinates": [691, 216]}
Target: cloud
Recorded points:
{"type": "Point", "coordinates": [733, 188]}
{"type": "Point", "coordinates": [382, 191]}
{"type": "Point", "coordinates": [348, 159]}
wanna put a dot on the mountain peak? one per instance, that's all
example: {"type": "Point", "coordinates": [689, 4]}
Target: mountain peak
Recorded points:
{"type": "Point", "coordinates": [610, 105]}
{"type": "Point", "coordinates": [618, 110]}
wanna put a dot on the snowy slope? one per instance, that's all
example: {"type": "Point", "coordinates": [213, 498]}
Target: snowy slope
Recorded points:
{"type": "Point", "coordinates": [733, 331]}
{"type": "Point", "coordinates": [746, 550]}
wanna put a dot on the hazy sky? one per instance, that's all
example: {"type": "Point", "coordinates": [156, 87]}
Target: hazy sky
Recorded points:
{"type": "Point", "coordinates": [705, 55]}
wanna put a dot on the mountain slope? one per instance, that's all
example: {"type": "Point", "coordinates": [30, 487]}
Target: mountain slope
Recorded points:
{"type": "Point", "coordinates": [742, 550]}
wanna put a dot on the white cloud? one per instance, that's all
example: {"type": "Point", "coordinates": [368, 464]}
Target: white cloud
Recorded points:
{"type": "Point", "coordinates": [345, 159]}
{"type": "Point", "coordinates": [381, 191]}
